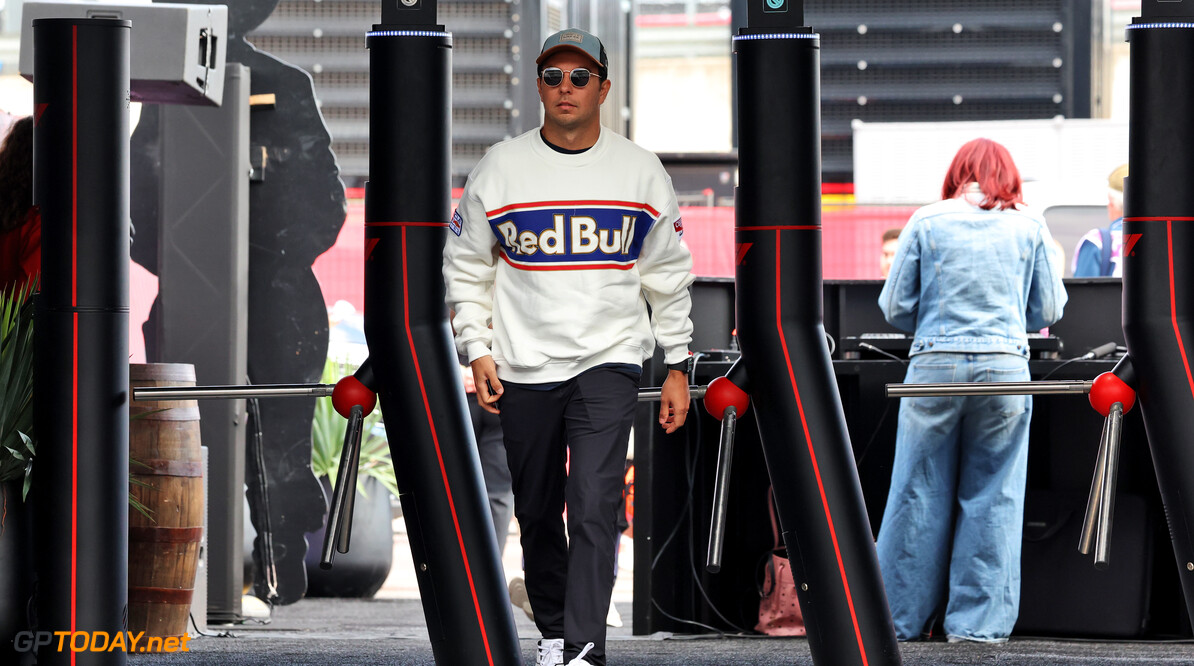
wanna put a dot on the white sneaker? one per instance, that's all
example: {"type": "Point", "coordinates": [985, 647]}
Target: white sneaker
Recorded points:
{"type": "Point", "coordinates": [518, 596]}
{"type": "Point", "coordinates": [579, 660]}
{"type": "Point", "coordinates": [613, 618]}
{"type": "Point", "coordinates": [550, 652]}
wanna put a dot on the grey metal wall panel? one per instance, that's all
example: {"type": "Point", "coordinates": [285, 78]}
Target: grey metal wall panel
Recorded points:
{"type": "Point", "coordinates": [203, 274]}
{"type": "Point", "coordinates": [934, 60]}
{"type": "Point", "coordinates": [493, 78]}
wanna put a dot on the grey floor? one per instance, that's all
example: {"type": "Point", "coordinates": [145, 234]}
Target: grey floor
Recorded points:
{"type": "Point", "coordinates": [392, 631]}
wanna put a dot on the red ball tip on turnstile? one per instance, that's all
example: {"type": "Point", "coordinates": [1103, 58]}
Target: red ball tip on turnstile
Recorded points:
{"type": "Point", "coordinates": [722, 393]}
{"type": "Point", "coordinates": [1108, 389]}
{"type": "Point", "coordinates": [350, 391]}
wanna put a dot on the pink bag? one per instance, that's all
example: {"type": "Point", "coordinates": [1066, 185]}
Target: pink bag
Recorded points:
{"type": "Point", "coordinates": [779, 608]}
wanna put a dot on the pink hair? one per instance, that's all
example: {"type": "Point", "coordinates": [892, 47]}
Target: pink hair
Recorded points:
{"type": "Point", "coordinates": [990, 165]}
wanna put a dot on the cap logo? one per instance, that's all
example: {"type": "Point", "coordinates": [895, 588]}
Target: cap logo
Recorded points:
{"type": "Point", "coordinates": [572, 37]}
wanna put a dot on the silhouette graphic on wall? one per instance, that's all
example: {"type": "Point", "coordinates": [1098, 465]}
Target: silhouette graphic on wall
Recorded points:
{"type": "Point", "coordinates": [296, 209]}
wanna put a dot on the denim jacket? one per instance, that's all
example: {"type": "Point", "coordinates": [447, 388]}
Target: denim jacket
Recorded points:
{"type": "Point", "coordinates": [966, 279]}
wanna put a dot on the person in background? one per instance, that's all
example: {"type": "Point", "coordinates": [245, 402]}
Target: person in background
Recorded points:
{"type": "Point", "coordinates": [1099, 252]}
{"type": "Point", "coordinates": [491, 450]}
{"type": "Point", "coordinates": [972, 274]}
{"type": "Point", "coordinates": [487, 428]}
{"type": "Point", "coordinates": [20, 223]}
{"type": "Point", "coordinates": [891, 240]}
{"type": "Point", "coordinates": [567, 242]}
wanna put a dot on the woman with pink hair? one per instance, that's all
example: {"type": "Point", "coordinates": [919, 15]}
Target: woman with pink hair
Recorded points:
{"type": "Point", "coordinates": [972, 274]}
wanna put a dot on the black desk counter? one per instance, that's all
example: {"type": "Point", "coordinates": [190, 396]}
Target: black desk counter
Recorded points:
{"type": "Point", "coordinates": [673, 506]}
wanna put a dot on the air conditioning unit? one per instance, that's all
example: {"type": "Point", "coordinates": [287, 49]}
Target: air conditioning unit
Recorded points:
{"type": "Point", "coordinates": [177, 50]}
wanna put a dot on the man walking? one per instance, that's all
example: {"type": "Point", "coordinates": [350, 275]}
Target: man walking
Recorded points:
{"type": "Point", "coordinates": [564, 269]}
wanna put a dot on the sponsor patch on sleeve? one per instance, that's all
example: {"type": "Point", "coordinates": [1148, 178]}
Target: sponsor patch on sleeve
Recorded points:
{"type": "Point", "coordinates": [456, 223]}
{"type": "Point", "coordinates": [678, 225]}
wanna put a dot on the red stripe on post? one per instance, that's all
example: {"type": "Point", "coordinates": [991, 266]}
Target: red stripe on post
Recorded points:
{"type": "Point", "coordinates": [438, 453]}
{"type": "Point", "coordinates": [837, 551]}
{"type": "Point", "coordinates": [405, 224]}
{"type": "Point", "coordinates": [1177, 332]}
{"type": "Point", "coordinates": [784, 227]}
{"type": "Point", "coordinates": [74, 283]}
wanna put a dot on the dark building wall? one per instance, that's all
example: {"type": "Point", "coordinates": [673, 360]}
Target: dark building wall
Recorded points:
{"type": "Point", "coordinates": [942, 60]}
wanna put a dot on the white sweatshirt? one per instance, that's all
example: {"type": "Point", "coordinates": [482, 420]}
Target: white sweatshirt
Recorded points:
{"type": "Point", "coordinates": [561, 254]}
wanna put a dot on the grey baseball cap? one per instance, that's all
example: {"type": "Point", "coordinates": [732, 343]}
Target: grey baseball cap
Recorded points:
{"type": "Point", "coordinates": [575, 40]}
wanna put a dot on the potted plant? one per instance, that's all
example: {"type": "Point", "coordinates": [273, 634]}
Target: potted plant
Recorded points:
{"type": "Point", "coordinates": [16, 388]}
{"type": "Point", "coordinates": [361, 571]}
{"type": "Point", "coordinates": [17, 449]}
{"type": "Point", "coordinates": [17, 453]}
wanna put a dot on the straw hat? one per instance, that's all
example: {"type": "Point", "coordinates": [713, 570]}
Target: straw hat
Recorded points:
{"type": "Point", "coordinates": [1116, 180]}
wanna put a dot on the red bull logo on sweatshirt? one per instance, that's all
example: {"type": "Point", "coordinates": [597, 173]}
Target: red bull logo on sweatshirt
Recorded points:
{"type": "Point", "coordinates": [572, 235]}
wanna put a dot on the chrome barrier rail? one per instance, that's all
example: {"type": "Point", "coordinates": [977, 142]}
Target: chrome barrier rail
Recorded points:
{"type": "Point", "coordinates": [1064, 387]}
{"type": "Point", "coordinates": [339, 525]}
{"type": "Point", "coordinates": [1100, 506]}
{"type": "Point", "coordinates": [151, 393]}
{"type": "Point", "coordinates": [649, 394]}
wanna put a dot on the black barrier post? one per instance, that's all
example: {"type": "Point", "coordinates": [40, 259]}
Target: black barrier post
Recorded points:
{"type": "Point", "coordinates": [81, 185]}
{"type": "Point", "coordinates": [414, 365]}
{"type": "Point", "coordinates": [1158, 234]}
{"type": "Point", "coordinates": [779, 319]}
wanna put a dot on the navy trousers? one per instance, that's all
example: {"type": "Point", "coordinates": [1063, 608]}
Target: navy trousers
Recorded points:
{"type": "Point", "coordinates": [585, 423]}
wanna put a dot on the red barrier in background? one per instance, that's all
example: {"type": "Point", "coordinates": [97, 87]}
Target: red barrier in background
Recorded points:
{"type": "Point", "coordinates": [849, 250]}
{"type": "Point", "coordinates": [850, 245]}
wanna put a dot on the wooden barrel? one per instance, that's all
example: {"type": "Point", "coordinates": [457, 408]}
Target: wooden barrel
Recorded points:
{"type": "Point", "coordinates": [164, 455]}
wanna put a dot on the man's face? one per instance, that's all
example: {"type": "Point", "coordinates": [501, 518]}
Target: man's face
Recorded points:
{"type": "Point", "coordinates": [566, 106]}
{"type": "Point", "coordinates": [887, 255]}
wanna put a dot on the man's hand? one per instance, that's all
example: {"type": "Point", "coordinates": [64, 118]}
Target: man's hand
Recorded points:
{"type": "Point", "coordinates": [674, 401]}
{"type": "Point", "coordinates": [489, 387]}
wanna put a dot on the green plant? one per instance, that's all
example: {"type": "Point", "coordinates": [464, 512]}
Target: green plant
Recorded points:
{"type": "Point", "coordinates": [17, 444]}
{"type": "Point", "coordinates": [17, 441]}
{"type": "Point", "coordinates": [133, 501]}
{"type": "Point", "coordinates": [327, 439]}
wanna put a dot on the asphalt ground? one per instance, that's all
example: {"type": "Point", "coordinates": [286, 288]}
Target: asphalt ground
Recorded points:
{"type": "Point", "coordinates": [390, 629]}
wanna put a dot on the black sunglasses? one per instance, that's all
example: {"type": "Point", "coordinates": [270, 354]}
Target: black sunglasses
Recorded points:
{"type": "Point", "coordinates": [554, 76]}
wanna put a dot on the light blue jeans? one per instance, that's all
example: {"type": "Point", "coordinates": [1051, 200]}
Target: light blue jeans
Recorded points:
{"type": "Point", "coordinates": [955, 510]}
